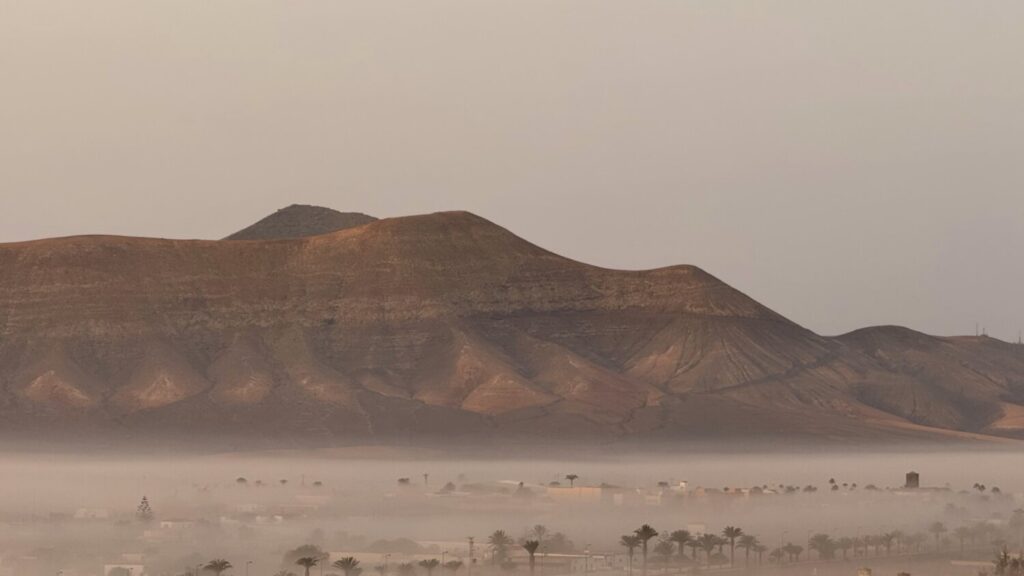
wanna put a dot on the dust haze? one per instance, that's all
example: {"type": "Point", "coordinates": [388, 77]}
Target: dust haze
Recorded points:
{"type": "Point", "coordinates": [394, 511]}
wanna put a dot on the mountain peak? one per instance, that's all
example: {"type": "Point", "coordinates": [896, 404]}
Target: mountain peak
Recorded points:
{"type": "Point", "coordinates": [300, 221]}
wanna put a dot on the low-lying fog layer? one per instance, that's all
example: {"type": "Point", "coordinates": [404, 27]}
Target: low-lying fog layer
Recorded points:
{"type": "Point", "coordinates": [81, 515]}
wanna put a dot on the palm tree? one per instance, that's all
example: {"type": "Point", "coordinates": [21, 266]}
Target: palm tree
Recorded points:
{"type": "Point", "coordinates": [645, 533]}
{"type": "Point", "coordinates": [572, 479]}
{"type": "Point", "coordinates": [732, 533]}
{"type": "Point", "coordinates": [695, 547]}
{"type": "Point", "coordinates": [429, 565]}
{"type": "Point", "coordinates": [665, 549]}
{"type": "Point", "coordinates": [630, 541]}
{"type": "Point", "coordinates": [887, 540]}
{"type": "Point", "coordinates": [793, 551]}
{"type": "Point", "coordinates": [747, 543]}
{"type": "Point", "coordinates": [681, 538]}
{"type": "Point", "coordinates": [721, 543]}
{"type": "Point", "coordinates": [708, 543]}
{"type": "Point", "coordinates": [218, 566]}
{"type": "Point", "coordinates": [759, 549]}
{"type": "Point", "coordinates": [937, 529]}
{"type": "Point", "coordinates": [962, 533]}
{"type": "Point", "coordinates": [307, 562]}
{"type": "Point", "coordinates": [499, 542]}
{"type": "Point", "coordinates": [453, 566]}
{"type": "Point", "coordinates": [539, 533]}
{"type": "Point", "coordinates": [406, 569]}
{"type": "Point", "coordinates": [348, 565]}
{"type": "Point", "coordinates": [531, 548]}
{"type": "Point", "coordinates": [900, 537]}
{"type": "Point", "coordinates": [844, 544]}
{"type": "Point", "coordinates": [824, 545]}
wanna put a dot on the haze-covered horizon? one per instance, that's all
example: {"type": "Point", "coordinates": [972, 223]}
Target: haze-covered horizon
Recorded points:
{"type": "Point", "coordinates": [846, 165]}
{"type": "Point", "coordinates": [83, 513]}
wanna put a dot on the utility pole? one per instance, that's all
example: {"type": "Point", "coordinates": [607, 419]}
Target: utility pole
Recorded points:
{"type": "Point", "coordinates": [472, 560]}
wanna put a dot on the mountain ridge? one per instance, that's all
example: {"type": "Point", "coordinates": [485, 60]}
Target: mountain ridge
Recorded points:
{"type": "Point", "coordinates": [447, 324]}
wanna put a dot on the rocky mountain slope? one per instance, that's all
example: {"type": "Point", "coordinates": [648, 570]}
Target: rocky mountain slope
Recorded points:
{"type": "Point", "coordinates": [448, 326]}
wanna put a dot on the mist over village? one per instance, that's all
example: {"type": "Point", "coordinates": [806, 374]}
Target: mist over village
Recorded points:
{"type": "Point", "coordinates": [281, 515]}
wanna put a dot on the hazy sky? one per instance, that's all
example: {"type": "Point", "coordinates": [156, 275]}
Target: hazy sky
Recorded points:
{"type": "Point", "coordinates": [846, 163]}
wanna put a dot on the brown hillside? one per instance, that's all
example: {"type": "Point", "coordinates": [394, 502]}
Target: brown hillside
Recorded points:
{"type": "Point", "coordinates": [447, 324]}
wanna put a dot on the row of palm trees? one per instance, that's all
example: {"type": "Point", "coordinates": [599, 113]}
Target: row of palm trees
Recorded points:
{"type": "Point", "coordinates": [711, 545]}
{"type": "Point", "coordinates": [678, 540]}
{"type": "Point", "coordinates": [349, 566]}
{"type": "Point", "coordinates": [674, 544]}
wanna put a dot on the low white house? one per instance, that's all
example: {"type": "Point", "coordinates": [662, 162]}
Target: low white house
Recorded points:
{"type": "Point", "coordinates": [92, 514]}
{"type": "Point", "coordinates": [124, 570]}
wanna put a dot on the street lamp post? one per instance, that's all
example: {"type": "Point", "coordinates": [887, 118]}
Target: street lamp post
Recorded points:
{"type": "Point", "coordinates": [247, 567]}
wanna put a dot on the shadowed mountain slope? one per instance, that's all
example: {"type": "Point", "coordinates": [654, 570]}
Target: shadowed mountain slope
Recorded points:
{"type": "Point", "coordinates": [300, 221]}
{"type": "Point", "coordinates": [446, 325]}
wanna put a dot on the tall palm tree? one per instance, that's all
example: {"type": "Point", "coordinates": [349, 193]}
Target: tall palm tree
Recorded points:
{"type": "Point", "coordinates": [732, 533]}
{"type": "Point", "coordinates": [645, 533]}
{"type": "Point", "coordinates": [824, 545]}
{"type": "Point", "coordinates": [681, 538]}
{"type": "Point", "coordinates": [937, 529]}
{"type": "Point", "coordinates": [720, 542]}
{"type": "Point", "coordinates": [887, 540]}
{"type": "Point", "coordinates": [453, 566]}
{"type": "Point", "coordinates": [348, 565]}
{"type": "Point", "coordinates": [531, 548]}
{"type": "Point", "coordinates": [539, 533]}
{"type": "Point", "coordinates": [631, 542]}
{"type": "Point", "coordinates": [900, 537]}
{"type": "Point", "coordinates": [695, 548]}
{"type": "Point", "coordinates": [747, 543]}
{"type": "Point", "coordinates": [499, 542]}
{"type": "Point", "coordinates": [572, 479]}
{"type": "Point", "coordinates": [307, 562]}
{"type": "Point", "coordinates": [759, 549]}
{"type": "Point", "coordinates": [218, 566]}
{"type": "Point", "coordinates": [430, 565]}
{"type": "Point", "coordinates": [708, 542]}
{"type": "Point", "coordinates": [665, 549]}
{"type": "Point", "coordinates": [844, 544]}
{"type": "Point", "coordinates": [962, 533]}
{"type": "Point", "coordinates": [793, 551]}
